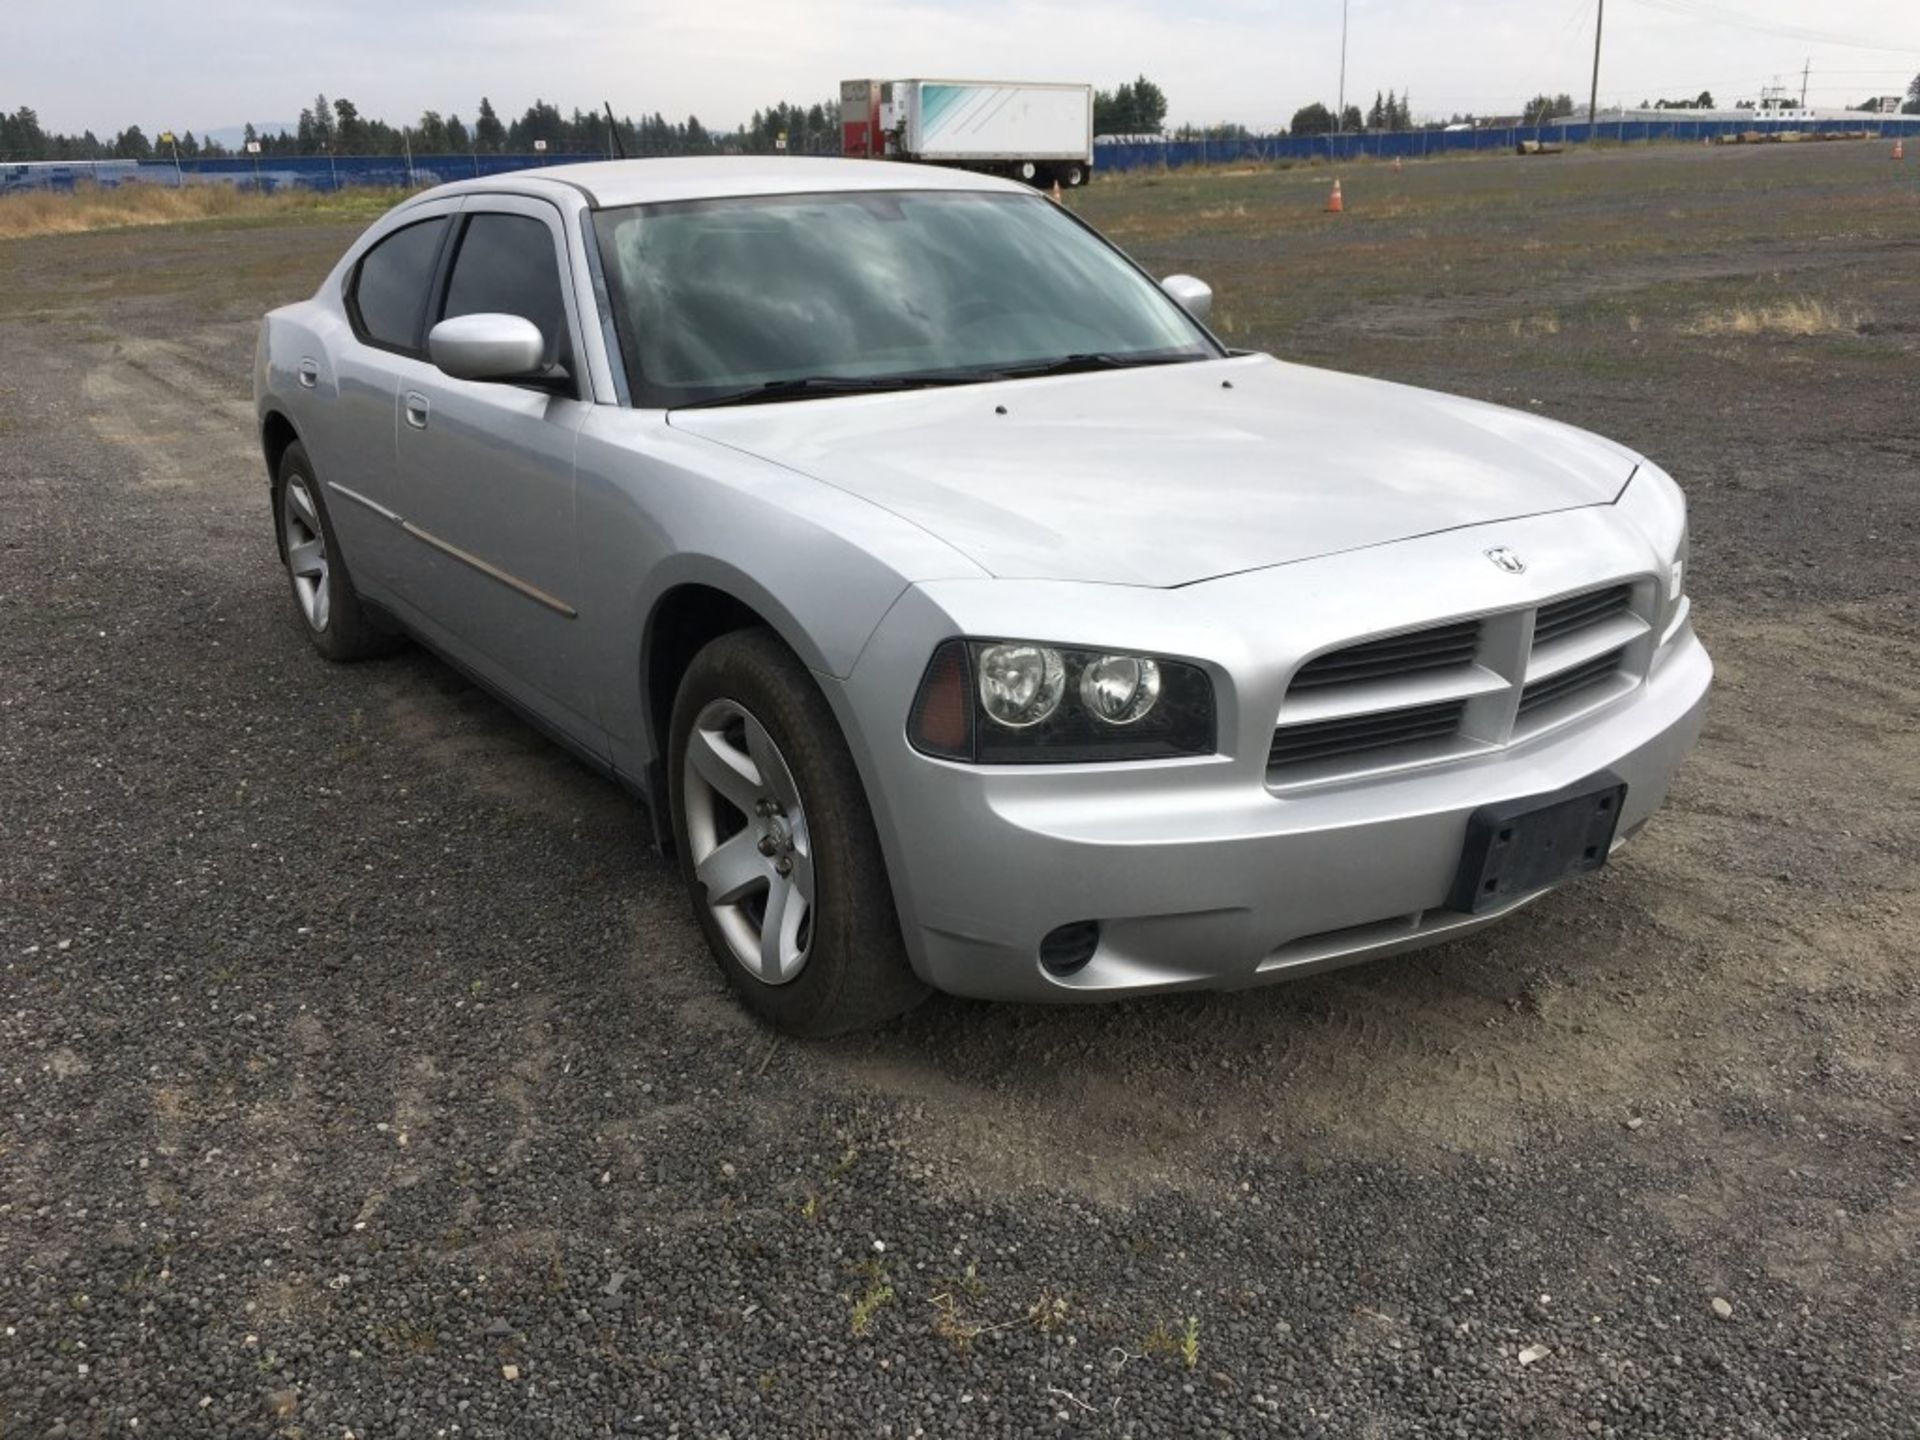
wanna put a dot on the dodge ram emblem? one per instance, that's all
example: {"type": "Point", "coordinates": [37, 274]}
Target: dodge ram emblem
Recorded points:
{"type": "Point", "coordinates": [1506, 560]}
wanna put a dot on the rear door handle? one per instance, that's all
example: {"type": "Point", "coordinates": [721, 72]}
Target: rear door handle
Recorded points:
{"type": "Point", "coordinates": [416, 410]}
{"type": "Point", "coordinates": [309, 373]}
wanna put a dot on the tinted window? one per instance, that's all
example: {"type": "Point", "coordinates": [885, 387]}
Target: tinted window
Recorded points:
{"type": "Point", "coordinates": [506, 266]}
{"type": "Point", "coordinates": [390, 291]}
{"type": "Point", "coordinates": [716, 295]}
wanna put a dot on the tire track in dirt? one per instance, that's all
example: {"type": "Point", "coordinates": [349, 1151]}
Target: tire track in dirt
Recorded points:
{"type": "Point", "coordinates": [175, 416]}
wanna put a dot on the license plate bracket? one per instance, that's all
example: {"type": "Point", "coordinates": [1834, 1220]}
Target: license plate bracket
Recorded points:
{"type": "Point", "coordinates": [1519, 846]}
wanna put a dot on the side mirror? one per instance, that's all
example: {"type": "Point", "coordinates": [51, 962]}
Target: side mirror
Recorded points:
{"type": "Point", "coordinates": [1194, 296]}
{"type": "Point", "coordinates": [488, 347]}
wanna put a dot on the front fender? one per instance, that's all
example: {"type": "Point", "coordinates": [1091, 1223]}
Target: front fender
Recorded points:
{"type": "Point", "coordinates": [657, 509]}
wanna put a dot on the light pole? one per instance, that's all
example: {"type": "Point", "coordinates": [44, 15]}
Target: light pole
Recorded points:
{"type": "Point", "coordinates": [1593, 100]}
{"type": "Point", "coordinates": [1340, 111]}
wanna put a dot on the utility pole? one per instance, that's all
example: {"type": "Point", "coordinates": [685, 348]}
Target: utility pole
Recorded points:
{"type": "Point", "coordinates": [1340, 114]}
{"type": "Point", "coordinates": [1806, 70]}
{"type": "Point", "coordinates": [1593, 100]}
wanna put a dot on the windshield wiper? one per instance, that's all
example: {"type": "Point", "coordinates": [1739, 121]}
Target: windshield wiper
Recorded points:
{"type": "Point", "coordinates": [806, 387]}
{"type": "Point", "coordinates": [1095, 360]}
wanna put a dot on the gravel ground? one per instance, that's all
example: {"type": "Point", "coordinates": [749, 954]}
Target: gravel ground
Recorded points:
{"type": "Point", "coordinates": [364, 1073]}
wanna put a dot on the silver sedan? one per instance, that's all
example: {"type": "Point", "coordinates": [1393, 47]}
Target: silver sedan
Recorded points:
{"type": "Point", "coordinates": [967, 614]}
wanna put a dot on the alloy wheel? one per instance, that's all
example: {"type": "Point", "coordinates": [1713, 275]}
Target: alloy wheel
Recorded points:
{"type": "Point", "coordinates": [747, 834]}
{"type": "Point", "coordinates": [306, 550]}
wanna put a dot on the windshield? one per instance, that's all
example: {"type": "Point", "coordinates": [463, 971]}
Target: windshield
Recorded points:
{"type": "Point", "coordinates": [790, 293]}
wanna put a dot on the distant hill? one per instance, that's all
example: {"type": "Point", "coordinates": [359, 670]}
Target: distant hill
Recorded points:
{"type": "Point", "coordinates": [233, 136]}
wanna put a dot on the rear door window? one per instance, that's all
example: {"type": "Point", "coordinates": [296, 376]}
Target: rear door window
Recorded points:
{"type": "Point", "coordinates": [390, 286]}
{"type": "Point", "coordinates": [507, 265]}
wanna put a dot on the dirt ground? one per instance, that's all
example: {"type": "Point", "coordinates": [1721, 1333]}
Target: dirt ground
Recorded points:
{"type": "Point", "coordinates": [363, 1071]}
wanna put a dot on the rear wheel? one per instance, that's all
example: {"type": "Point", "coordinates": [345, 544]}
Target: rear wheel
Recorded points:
{"type": "Point", "coordinates": [777, 844]}
{"type": "Point", "coordinates": [323, 595]}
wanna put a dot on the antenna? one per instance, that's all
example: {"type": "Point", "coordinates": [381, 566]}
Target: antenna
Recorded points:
{"type": "Point", "coordinates": [613, 129]}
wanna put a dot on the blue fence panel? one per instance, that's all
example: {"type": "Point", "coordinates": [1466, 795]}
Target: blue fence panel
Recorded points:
{"type": "Point", "coordinates": [1417, 144]}
{"type": "Point", "coordinates": [278, 172]}
{"type": "Point", "coordinates": [321, 172]}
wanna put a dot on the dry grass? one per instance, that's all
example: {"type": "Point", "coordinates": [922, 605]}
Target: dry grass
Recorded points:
{"type": "Point", "coordinates": [1789, 317]}
{"type": "Point", "coordinates": [1525, 325]}
{"type": "Point", "coordinates": [96, 207]}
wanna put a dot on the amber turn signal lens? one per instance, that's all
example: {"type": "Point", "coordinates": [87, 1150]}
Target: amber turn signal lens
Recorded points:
{"type": "Point", "coordinates": [941, 723]}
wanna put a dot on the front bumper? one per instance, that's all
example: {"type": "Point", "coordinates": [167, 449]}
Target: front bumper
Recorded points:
{"type": "Point", "coordinates": [1227, 896]}
{"type": "Point", "coordinates": [1201, 875]}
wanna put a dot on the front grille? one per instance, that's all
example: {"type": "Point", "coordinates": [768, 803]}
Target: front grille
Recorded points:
{"type": "Point", "coordinates": [1570, 682]}
{"type": "Point", "coordinates": [1352, 735]}
{"type": "Point", "coordinates": [1449, 690]}
{"type": "Point", "coordinates": [1394, 657]}
{"type": "Point", "coordinates": [1579, 612]}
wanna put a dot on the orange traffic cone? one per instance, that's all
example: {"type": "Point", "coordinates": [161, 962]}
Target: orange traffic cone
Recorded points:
{"type": "Point", "coordinates": [1900, 149]}
{"type": "Point", "coordinates": [1396, 165]}
{"type": "Point", "coordinates": [1335, 205]}
{"type": "Point", "coordinates": [1055, 192]}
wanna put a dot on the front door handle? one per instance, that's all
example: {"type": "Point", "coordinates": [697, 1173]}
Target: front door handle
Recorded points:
{"type": "Point", "coordinates": [416, 410]}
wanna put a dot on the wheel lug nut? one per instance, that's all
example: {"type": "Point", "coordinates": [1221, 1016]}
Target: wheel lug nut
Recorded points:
{"type": "Point", "coordinates": [767, 846]}
{"type": "Point", "coordinates": [784, 865]}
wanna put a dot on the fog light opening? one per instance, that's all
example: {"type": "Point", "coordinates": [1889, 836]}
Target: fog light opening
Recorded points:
{"type": "Point", "coordinates": [1068, 948]}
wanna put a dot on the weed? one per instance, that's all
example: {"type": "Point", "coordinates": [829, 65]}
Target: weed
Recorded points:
{"type": "Point", "coordinates": [949, 1326]}
{"type": "Point", "coordinates": [1800, 317]}
{"type": "Point", "coordinates": [1184, 1346]}
{"type": "Point", "coordinates": [879, 1295]}
{"type": "Point", "coordinates": [1048, 1313]}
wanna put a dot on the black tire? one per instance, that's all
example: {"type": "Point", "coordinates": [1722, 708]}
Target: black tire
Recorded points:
{"type": "Point", "coordinates": [347, 631]}
{"type": "Point", "coordinates": [856, 972]}
{"type": "Point", "coordinates": [1073, 176]}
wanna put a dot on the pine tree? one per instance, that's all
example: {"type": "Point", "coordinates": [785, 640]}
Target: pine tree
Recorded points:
{"type": "Point", "coordinates": [488, 132]}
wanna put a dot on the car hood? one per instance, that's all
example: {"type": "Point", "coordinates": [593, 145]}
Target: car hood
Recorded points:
{"type": "Point", "coordinates": [1174, 474]}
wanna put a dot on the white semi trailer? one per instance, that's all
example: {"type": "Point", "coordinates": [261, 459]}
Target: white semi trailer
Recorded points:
{"type": "Point", "coordinates": [1037, 132]}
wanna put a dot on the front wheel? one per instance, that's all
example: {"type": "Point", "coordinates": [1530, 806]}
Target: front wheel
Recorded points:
{"type": "Point", "coordinates": [778, 846]}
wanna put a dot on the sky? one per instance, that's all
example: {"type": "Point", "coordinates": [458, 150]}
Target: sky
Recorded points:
{"type": "Point", "coordinates": [106, 64]}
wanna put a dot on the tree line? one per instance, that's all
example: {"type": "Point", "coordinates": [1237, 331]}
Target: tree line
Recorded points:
{"type": "Point", "coordinates": [337, 127]}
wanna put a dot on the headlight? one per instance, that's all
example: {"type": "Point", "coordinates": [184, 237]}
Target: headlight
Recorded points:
{"type": "Point", "coordinates": [1120, 689]}
{"type": "Point", "coordinates": [1011, 702]}
{"type": "Point", "coordinates": [1020, 685]}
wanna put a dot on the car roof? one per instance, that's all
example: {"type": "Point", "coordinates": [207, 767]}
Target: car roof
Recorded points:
{"type": "Point", "coordinates": [608, 183]}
